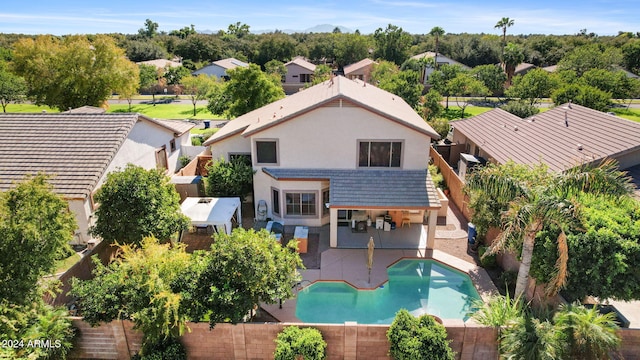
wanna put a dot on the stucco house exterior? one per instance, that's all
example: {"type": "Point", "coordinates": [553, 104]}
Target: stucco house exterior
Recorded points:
{"type": "Point", "coordinates": [78, 150]}
{"type": "Point", "coordinates": [219, 68]}
{"type": "Point", "coordinates": [562, 137]}
{"type": "Point", "coordinates": [359, 70]}
{"type": "Point", "coordinates": [442, 60]}
{"type": "Point", "coordinates": [334, 150]}
{"type": "Point", "coordinates": [299, 73]}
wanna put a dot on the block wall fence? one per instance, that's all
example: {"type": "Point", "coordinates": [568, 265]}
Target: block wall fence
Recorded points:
{"type": "Point", "coordinates": [350, 341]}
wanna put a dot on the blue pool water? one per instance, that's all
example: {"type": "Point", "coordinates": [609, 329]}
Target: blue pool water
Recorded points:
{"type": "Point", "coordinates": [420, 286]}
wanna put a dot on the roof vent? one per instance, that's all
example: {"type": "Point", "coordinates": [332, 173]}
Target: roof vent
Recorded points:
{"type": "Point", "coordinates": [274, 114]}
{"type": "Point", "coordinates": [515, 128]}
{"type": "Point", "coordinates": [580, 147]}
{"type": "Point", "coordinates": [566, 119]}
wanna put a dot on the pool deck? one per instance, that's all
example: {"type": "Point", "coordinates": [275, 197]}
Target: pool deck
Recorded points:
{"type": "Point", "coordinates": [350, 265]}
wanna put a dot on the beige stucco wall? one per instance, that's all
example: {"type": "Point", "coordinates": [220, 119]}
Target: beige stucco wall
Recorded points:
{"type": "Point", "coordinates": [328, 138]}
{"type": "Point", "coordinates": [262, 185]}
{"type": "Point", "coordinates": [232, 144]}
{"type": "Point", "coordinates": [81, 209]}
{"type": "Point", "coordinates": [293, 73]}
{"type": "Point", "coordinates": [628, 159]}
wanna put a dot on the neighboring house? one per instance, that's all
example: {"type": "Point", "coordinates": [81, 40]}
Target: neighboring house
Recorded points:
{"type": "Point", "coordinates": [333, 150]}
{"type": "Point", "coordinates": [360, 70]}
{"type": "Point", "coordinates": [78, 150]}
{"type": "Point", "coordinates": [299, 73]}
{"type": "Point", "coordinates": [160, 63]}
{"type": "Point", "coordinates": [219, 68]}
{"type": "Point", "coordinates": [442, 60]}
{"type": "Point", "coordinates": [523, 68]}
{"type": "Point", "coordinates": [562, 137]}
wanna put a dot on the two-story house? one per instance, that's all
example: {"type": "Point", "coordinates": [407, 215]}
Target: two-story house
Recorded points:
{"type": "Point", "coordinates": [299, 73]}
{"type": "Point", "coordinates": [337, 151]}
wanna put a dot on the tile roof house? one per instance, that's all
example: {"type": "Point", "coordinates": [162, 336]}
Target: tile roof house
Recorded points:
{"type": "Point", "coordinates": [359, 70]}
{"type": "Point", "coordinates": [160, 63]}
{"type": "Point", "coordinates": [78, 150]}
{"type": "Point", "coordinates": [442, 60]}
{"type": "Point", "coordinates": [336, 149]}
{"type": "Point", "coordinates": [562, 137]}
{"type": "Point", "coordinates": [299, 73]}
{"type": "Point", "coordinates": [219, 68]}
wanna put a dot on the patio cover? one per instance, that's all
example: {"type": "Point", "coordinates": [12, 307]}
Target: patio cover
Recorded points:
{"type": "Point", "coordinates": [370, 188]}
{"type": "Point", "coordinates": [217, 212]}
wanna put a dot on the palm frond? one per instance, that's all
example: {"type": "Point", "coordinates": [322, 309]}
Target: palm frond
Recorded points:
{"type": "Point", "coordinates": [560, 276]}
{"type": "Point", "coordinates": [603, 178]}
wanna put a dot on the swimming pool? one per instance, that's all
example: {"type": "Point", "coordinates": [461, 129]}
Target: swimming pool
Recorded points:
{"type": "Point", "coordinates": [420, 286]}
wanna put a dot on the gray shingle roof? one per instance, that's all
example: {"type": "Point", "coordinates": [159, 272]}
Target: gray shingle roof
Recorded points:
{"type": "Point", "coordinates": [389, 189]}
{"type": "Point", "coordinates": [548, 138]}
{"type": "Point", "coordinates": [75, 149]}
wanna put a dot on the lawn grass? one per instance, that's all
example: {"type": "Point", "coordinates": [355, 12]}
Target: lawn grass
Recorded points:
{"type": "Point", "coordinates": [64, 264]}
{"type": "Point", "coordinates": [630, 114]}
{"type": "Point", "coordinates": [160, 111]}
{"type": "Point", "coordinates": [165, 111]}
{"type": "Point", "coordinates": [29, 108]}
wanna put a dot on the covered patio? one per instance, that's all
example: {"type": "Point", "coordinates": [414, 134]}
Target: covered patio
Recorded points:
{"type": "Point", "coordinates": [404, 237]}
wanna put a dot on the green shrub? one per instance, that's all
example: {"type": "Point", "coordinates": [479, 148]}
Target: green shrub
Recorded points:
{"type": "Point", "coordinates": [197, 140]}
{"type": "Point", "coordinates": [208, 132]}
{"type": "Point", "coordinates": [293, 343]}
{"type": "Point", "coordinates": [508, 278]}
{"type": "Point", "coordinates": [184, 160]}
{"type": "Point", "coordinates": [489, 261]}
{"type": "Point", "coordinates": [521, 109]}
{"type": "Point", "coordinates": [436, 176]}
{"type": "Point", "coordinates": [418, 338]}
{"type": "Point", "coordinates": [169, 349]}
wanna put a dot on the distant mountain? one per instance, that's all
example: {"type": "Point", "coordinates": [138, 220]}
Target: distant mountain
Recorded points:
{"type": "Point", "coordinates": [323, 28]}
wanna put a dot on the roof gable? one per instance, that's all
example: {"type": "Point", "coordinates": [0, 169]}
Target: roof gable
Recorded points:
{"type": "Point", "coordinates": [338, 88]}
{"type": "Point", "coordinates": [302, 63]}
{"type": "Point", "coordinates": [75, 149]}
{"type": "Point", "coordinates": [562, 137]}
{"type": "Point", "coordinates": [351, 68]}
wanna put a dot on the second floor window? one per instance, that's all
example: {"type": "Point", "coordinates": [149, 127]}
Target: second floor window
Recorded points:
{"type": "Point", "coordinates": [305, 78]}
{"type": "Point", "coordinates": [266, 152]}
{"type": "Point", "coordinates": [380, 154]}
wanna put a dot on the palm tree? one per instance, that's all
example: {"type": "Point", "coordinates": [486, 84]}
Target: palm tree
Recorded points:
{"type": "Point", "coordinates": [512, 56]}
{"type": "Point", "coordinates": [503, 24]}
{"type": "Point", "coordinates": [437, 31]}
{"type": "Point", "coordinates": [587, 334]}
{"type": "Point", "coordinates": [534, 206]}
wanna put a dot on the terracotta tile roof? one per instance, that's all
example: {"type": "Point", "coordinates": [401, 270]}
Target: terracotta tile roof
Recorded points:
{"type": "Point", "coordinates": [400, 189]}
{"type": "Point", "coordinates": [73, 148]}
{"type": "Point", "coordinates": [339, 88]}
{"type": "Point", "coordinates": [300, 61]}
{"type": "Point", "coordinates": [351, 68]}
{"type": "Point", "coordinates": [561, 137]}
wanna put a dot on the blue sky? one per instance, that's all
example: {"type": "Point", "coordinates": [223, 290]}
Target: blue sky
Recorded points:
{"type": "Point", "coordinates": [414, 16]}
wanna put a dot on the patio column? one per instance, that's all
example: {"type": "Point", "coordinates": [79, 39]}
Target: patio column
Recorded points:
{"type": "Point", "coordinates": [333, 227]}
{"type": "Point", "coordinates": [431, 234]}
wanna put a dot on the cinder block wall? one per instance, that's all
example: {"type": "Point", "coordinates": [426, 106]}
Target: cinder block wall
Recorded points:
{"type": "Point", "coordinates": [118, 340]}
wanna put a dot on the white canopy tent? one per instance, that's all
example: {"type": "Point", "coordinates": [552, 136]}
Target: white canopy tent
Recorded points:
{"type": "Point", "coordinates": [215, 212]}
